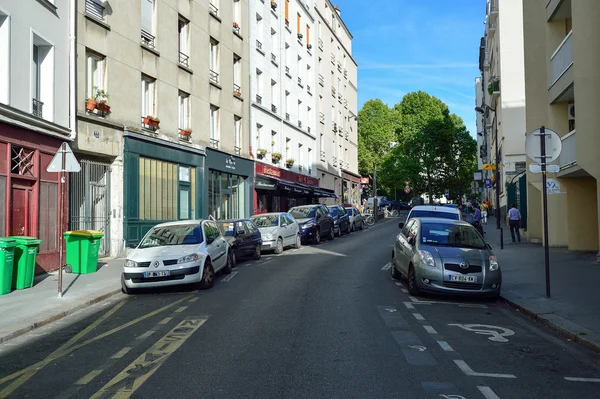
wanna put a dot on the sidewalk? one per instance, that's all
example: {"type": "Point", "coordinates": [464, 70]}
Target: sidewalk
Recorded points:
{"type": "Point", "coordinates": [572, 309]}
{"type": "Point", "coordinates": [31, 308]}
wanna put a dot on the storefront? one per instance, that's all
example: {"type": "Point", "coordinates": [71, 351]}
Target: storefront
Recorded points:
{"type": "Point", "coordinates": [350, 188]}
{"type": "Point", "coordinates": [29, 195]}
{"type": "Point", "coordinates": [229, 181]}
{"type": "Point", "coordinates": [162, 182]}
{"type": "Point", "coordinates": [277, 190]}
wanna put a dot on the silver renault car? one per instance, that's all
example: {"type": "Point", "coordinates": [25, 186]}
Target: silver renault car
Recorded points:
{"type": "Point", "coordinates": [445, 256]}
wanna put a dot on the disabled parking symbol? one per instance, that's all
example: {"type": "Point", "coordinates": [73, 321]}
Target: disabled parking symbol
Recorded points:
{"type": "Point", "coordinates": [495, 333]}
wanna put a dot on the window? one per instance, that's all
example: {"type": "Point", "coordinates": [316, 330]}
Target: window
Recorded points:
{"type": "Point", "coordinates": [184, 110]}
{"type": "Point", "coordinates": [214, 125]}
{"type": "Point", "coordinates": [237, 129]}
{"type": "Point", "coordinates": [259, 136]}
{"type": "Point", "coordinates": [237, 75]}
{"type": "Point", "coordinates": [214, 61]}
{"type": "Point", "coordinates": [287, 105]}
{"type": "Point", "coordinates": [274, 140]}
{"type": "Point", "coordinates": [213, 7]}
{"type": "Point", "coordinates": [42, 79]}
{"type": "Point", "coordinates": [148, 97]}
{"type": "Point", "coordinates": [259, 32]}
{"type": "Point", "coordinates": [148, 22]}
{"type": "Point", "coordinates": [94, 8]}
{"type": "Point", "coordinates": [300, 155]}
{"type": "Point", "coordinates": [237, 15]}
{"type": "Point", "coordinates": [4, 57]}
{"type": "Point", "coordinates": [183, 28]}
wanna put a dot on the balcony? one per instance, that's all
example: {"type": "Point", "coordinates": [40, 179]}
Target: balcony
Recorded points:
{"type": "Point", "coordinates": [287, 71]}
{"type": "Point", "coordinates": [562, 59]}
{"type": "Point", "coordinates": [334, 127]}
{"type": "Point", "coordinates": [258, 99]}
{"type": "Point", "coordinates": [273, 108]}
{"type": "Point", "coordinates": [214, 77]}
{"type": "Point", "coordinates": [568, 152]}
{"type": "Point", "coordinates": [37, 108]}
{"type": "Point", "coordinates": [147, 39]}
{"type": "Point", "coordinates": [184, 60]}
{"type": "Point", "coordinates": [323, 156]}
{"type": "Point", "coordinates": [287, 117]}
{"type": "Point", "coordinates": [333, 91]}
{"type": "Point", "coordinates": [345, 73]}
{"type": "Point", "coordinates": [321, 80]}
{"type": "Point", "coordinates": [214, 143]}
{"type": "Point", "coordinates": [320, 44]}
{"type": "Point", "coordinates": [493, 9]}
{"type": "Point", "coordinates": [487, 61]}
{"type": "Point", "coordinates": [308, 89]}
{"type": "Point", "coordinates": [300, 124]}
{"type": "Point", "coordinates": [321, 117]}
{"type": "Point", "coordinates": [333, 59]}
{"type": "Point", "coordinates": [300, 82]}
{"type": "Point", "coordinates": [236, 28]}
{"type": "Point", "coordinates": [237, 150]}
{"type": "Point", "coordinates": [94, 9]}
{"type": "Point", "coordinates": [237, 91]}
{"type": "Point", "coordinates": [274, 59]}
{"type": "Point", "coordinates": [213, 10]}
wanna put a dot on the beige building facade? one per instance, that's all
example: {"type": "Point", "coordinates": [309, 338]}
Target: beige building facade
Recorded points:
{"type": "Point", "coordinates": [562, 79]}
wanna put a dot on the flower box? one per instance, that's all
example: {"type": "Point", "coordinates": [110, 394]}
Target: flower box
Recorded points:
{"type": "Point", "coordinates": [91, 104]}
{"type": "Point", "coordinates": [185, 132]}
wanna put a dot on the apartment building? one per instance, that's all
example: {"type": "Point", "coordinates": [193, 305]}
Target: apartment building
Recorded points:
{"type": "Point", "coordinates": [504, 95]}
{"type": "Point", "coordinates": [562, 74]}
{"type": "Point", "coordinates": [162, 111]}
{"type": "Point", "coordinates": [337, 164]}
{"type": "Point", "coordinates": [36, 56]}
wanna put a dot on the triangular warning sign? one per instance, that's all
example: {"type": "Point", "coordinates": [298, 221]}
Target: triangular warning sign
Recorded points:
{"type": "Point", "coordinates": [70, 164]}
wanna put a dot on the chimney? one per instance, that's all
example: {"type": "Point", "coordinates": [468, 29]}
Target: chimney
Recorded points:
{"type": "Point", "coordinates": [337, 9]}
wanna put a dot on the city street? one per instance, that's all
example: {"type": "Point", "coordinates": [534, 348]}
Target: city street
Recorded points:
{"type": "Point", "coordinates": [322, 321]}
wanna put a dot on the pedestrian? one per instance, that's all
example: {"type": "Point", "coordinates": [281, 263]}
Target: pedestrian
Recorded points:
{"type": "Point", "coordinates": [484, 212]}
{"type": "Point", "coordinates": [514, 222]}
{"type": "Point", "coordinates": [477, 218]}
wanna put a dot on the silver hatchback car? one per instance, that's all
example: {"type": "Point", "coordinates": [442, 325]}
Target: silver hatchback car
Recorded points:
{"type": "Point", "coordinates": [445, 256]}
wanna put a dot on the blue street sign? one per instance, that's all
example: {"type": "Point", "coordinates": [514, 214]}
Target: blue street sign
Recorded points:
{"type": "Point", "coordinates": [446, 192]}
{"type": "Point", "coordinates": [487, 183]}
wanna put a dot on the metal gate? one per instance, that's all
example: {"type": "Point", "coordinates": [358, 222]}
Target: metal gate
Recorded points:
{"type": "Point", "coordinates": [517, 194]}
{"type": "Point", "coordinates": [89, 200]}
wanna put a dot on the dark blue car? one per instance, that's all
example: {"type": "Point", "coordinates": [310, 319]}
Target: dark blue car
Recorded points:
{"type": "Point", "coordinates": [315, 222]}
{"type": "Point", "coordinates": [243, 236]}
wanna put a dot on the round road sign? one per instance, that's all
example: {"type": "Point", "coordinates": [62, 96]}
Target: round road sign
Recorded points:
{"type": "Point", "coordinates": [406, 189]}
{"type": "Point", "coordinates": [533, 145]}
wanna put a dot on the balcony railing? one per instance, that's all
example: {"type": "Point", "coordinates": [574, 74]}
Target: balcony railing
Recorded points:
{"type": "Point", "coordinates": [333, 91]}
{"type": "Point", "coordinates": [287, 70]}
{"type": "Point", "coordinates": [321, 80]}
{"type": "Point", "coordinates": [300, 124]}
{"type": "Point", "coordinates": [323, 156]}
{"type": "Point", "coordinates": [308, 89]}
{"type": "Point", "coordinates": [333, 59]}
{"type": "Point", "coordinates": [320, 43]}
{"type": "Point", "coordinates": [345, 73]}
{"type": "Point", "coordinates": [273, 58]}
{"type": "Point", "coordinates": [236, 29]}
{"type": "Point", "coordinates": [237, 150]}
{"type": "Point", "coordinates": [259, 45]}
{"type": "Point", "coordinates": [287, 117]}
{"type": "Point", "coordinates": [37, 108]}
{"type": "Point", "coordinates": [562, 58]}
{"type": "Point", "coordinates": [213, 10]}
{"type": "Point", "coordinates": [493, 6]}
{"type": "Point", "coordinates": [258, 99]}
{"type": "Point", "coordinates": [237, 90]}
{"type": "Point", "coordinates": [300, 82]}
{"type": "Point", "coordinates": [568, 153]}
{"type": "Point", "coordinates": [95, 9]}
{"type": "Point", "coordinates": [321, 117]}
{"type": "Point", "coordinates": [184, 59]}
{"type": "Point", "coordinates": [334, 127]}
{"type": "Point", "coordinates": [214, 77]}
{"type": "Point", "coordinates": [147, 39]}
{"type": "Point", "coordinates": [308, 129]}
{"type": "Point", "coordinates": [273, 108]}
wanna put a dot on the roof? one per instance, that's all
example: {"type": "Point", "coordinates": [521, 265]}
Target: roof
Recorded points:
{"type": "Point", "coordinates": [443, 220]}
{"type": "Point", "coordinates": [435, 208]}
{"type": "Point", "coordinates": [180, 222]}
{"type": "Point", "coordinates": [267, 214]}
{"type": "Point", "coordinates": [231, 220]}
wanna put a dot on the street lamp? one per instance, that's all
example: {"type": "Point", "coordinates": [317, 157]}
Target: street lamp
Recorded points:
{"type": "Point", "coordinates": [484, 112]}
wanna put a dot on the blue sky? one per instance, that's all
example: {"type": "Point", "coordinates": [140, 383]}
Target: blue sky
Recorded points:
{"type": "Point", "coordinates": [408, 45]}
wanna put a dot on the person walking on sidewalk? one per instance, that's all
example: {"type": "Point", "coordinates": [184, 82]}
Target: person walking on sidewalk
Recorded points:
{"type": "Point", "coordinates": [514, 222]}
{"type": "Point", "coordinates": [484, 212]}
{"type": "Point", "coordinates": [477, 219]}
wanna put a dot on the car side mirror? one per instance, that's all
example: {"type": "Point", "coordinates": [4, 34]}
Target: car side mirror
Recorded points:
{"type": "Point", "coordinates": [210, 239]}
{"type": "Point", "coordinates": [411, 240]}
{"type": "Point", "coordinates": [284, 224]}
{"type": "Point", "coordinates": [401, 225]}
{"type": "Point", "coordinates": [488, 245]}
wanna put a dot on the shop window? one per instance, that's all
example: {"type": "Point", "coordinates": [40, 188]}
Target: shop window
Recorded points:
{"type": "Point", "coordinates": [226, 195]}
{"type": "Point", "coordinates": [47, 219]}
{"type": "Point", "coordinates": [22, 161]}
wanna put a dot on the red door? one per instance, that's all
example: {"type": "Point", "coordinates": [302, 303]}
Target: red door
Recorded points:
{"type": "Point", "coordinates": [19, 210]}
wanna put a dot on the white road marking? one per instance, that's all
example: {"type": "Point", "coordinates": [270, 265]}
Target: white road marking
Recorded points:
{"type": "Point", "coordinates": [229, 277]}
{"type": "Point", "coordinates": [469, 371]}
{"type": "Point", "coordinates": [576, 379]}
{"type": "Point", "coordinates": [145, 335]}
{"type": "Point", "coordinates": [121, 353]}
{"type": "Point", "coordinates": [391, 310]}
{"type": "Point", "coordinates": [398, 284]}
{"type": "Point", "coordinates": [181, 309]}
{"type": "Point", "coordinates": [420, 348]}
{"type": "Point", "coordinates": [409, 305]}
{"type": "Point", "coordinates": [445, 346]}
{"type": "Point", "coordinates": [451, 396]}
{"type": "Point", "coordinates": [484, 329]}
{"type": "Point", "coordinates": [418, 316]}
{"type": "Point", "coordinates": [387, 266]}
{"type": "Point", "coordinates": [487, 392]}
{"type": "Point", "coordinates": [404, 290]}
{"type": "Point", "coordinates": [412, 298]}
{"type": "Point", "coordinates": [430, 329]}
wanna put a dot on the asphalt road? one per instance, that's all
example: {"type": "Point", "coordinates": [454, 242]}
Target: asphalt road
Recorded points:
{"type": "Point", "coordinates": [319, 322]}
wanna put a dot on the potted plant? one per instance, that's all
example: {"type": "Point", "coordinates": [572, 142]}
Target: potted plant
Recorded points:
{"type": "Point", "coordinates": [493, 86]}
{"type": "Point", "coordinates": [275, 157]}
{"type": "Point", "coordinates": [236, 25]}
{"type": "Point", "coordinates": [185, 132]}
{"type": "Point", "coordinates": [151, 121]}
{"type": "Point", "coordinates": [273, 143]}
{"type": "Point", "coordinates": [289, 162]}
{"type": "Point", "coordinates": [261, 152]}
{"type": "Point", "coordinates": [300, 36]}
{"type": "Point", "coordinates": [91, 104]}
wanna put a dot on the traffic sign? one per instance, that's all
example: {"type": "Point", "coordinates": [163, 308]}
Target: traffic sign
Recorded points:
{"type": "Point", "coordinates": [487, 183]}
{"type": "Point", "coordinates": [537, 168]}
{"type": "Point", "coordinates": [407, 189]}
{"type": "Point", "coordinates": [533, 145]}
{"type": "Point", "coordinates": [446, 192]}
{"type": "Point", "coordinates": [66, 163]}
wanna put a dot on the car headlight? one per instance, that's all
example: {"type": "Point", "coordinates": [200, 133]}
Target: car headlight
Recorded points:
{"type": "Point", "coordinates": [269, 236]}
{"type": "Point", "coordinates": [427, 258]}
{"type": "Point", "coordinates": [308, 225]}
{"type": "Point", "coordinates": [188, 258]}
{"type": "Point", "coordinates": [130, 263]}
{"type": "Point", "coordinates": [494, 264]}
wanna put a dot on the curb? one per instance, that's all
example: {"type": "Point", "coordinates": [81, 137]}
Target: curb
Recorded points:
{"type": "Point", "coordinates": [58, 316]}
{"type": "Point", "coordinates": [545, 319]}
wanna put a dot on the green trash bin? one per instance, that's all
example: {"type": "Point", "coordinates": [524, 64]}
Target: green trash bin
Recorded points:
{"type": "Point", "coordinates": [82, 250]}
{"type": "Point", "coordinates": [24, 265]}
{"type": "Point", "coordinates": [7, 257]}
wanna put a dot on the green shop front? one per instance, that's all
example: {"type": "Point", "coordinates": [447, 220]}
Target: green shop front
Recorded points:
{"type": "Point", "coordinates": [162, 182]}
{"type": "Point", "coordinates": [229, 185]}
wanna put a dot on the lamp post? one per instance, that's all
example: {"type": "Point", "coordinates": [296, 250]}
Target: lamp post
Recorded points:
{"type": "Point", "coordinates": [497, 174]}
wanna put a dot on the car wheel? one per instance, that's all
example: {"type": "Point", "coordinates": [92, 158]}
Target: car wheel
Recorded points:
{"type": "Point", "coordinates": [257, 252]}
{"type": "Point", "coordinates": [298, 242]}
{"type": "Point", "coordinates": [396, 275]}
{"type": "Point", "coordinates": [412, 283]}
{"type": "Point", "coordinates": [279, 247]}
{"type": "Point", "coordinates": [233, 259]}
{"type": "Point", "coordinates": [331, 233]}
{"type": "Point", "coordinates": [339, 233]}
{"type": "Point", "coordinates": [208, 276]}
{"type": "Point", "coordinates": [124, 289]}
{"type": "Point", "coordinates": [348, 228]}
{"type": "Point", "coordinates": [317, 237]}
{"type": "Point", "coordinates": [362, 225]}
{"type": "Point", "coordinates": [229, 265]}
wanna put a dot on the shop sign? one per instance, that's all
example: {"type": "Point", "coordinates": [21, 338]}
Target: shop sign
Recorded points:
{"type": "Point", "coordinates": [265, 183]}
{"type": "Point", "coordinates": [268, 170]}
{"type": "Point", "coordinates": [364, 180]}
{"type": "Point", "coordinates": [309, 181]}
{"type": "Point", "coordinates": [230, 163]}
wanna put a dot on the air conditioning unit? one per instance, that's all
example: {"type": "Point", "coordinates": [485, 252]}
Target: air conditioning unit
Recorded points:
{"type": "Point", "coordinates": [571, 112]}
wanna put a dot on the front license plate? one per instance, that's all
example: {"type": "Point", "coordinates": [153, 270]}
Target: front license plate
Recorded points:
{"type": "Point", "coordinates": [160, 273]}
{"type": "Point", "coordinates": [464, 279]}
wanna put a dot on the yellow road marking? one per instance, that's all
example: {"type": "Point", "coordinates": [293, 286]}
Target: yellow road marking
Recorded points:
{"type": "Point", "coordinates": [121, 353]}
{"type": "Point", "coordinates": [88, 377]}
{"type": "Point", "coordinates": [30, 372]}
{"type": "Point", "coordinates": [193, 299]}
{"type": "Point", "coordinates": [133, 376]}
{"type": "Point", "coordinates": [181, 309]}
{"type": "Point", "coordinates": [42, 363]}
{"type": "Point", "coordinates": [166, 320]}
{"type": "Point", "coordinates": [146, 334]}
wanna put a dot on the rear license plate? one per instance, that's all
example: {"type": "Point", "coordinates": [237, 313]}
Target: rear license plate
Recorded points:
{"type": "Point", "coordinates": [160, 273]}
{"type": "Point", "coordinates": [461, 278]}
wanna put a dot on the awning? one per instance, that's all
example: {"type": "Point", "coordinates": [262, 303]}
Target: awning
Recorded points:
{"type": "Point", "coordinates": [265, 183]}
{"type": "Point", "coordinates": [324, 193]}
{"type": "Point", "coordinates": [294, 188]}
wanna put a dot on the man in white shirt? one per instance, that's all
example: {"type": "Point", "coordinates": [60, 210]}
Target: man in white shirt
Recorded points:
{"type": "Point", "coordinates": [514, 221]}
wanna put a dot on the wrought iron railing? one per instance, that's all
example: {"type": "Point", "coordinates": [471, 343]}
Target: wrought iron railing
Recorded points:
{"type": "Point", "coordinates": [274, 108]}
{"type": "Point", "coordinates": [214, 143]}
{"type": "Point", "coordinates": [237, 150]}
{"type": "Point", "coordinates": [287, 117]}
{"type": "Point", "coordinates": [300, 81]}
{"type": "Point", "coordinates": [323, 155]}
{"type": "Point", "coordinates": [321, 80]}
{"type": "Point", "coordinates": [320, 42]}
{"type": "Point", "coordinates": [213, 9]}
{"type": "Point", "coordinates": [147, 39]}
{"type": "Point", "coordinates": [37, 108]}
{"type": "Point", "coordinates": [184, 59]}
{"type": "Point", "coordinates": [321, 117]}
{"type": "Point", "coordinates": [273, 58]}
{"type": "Point", "coordinates": [258, 45]}
{"type": "Point", "coordinates": [214, 76]}
{"type": "Point", "coordinates": [258, 99]}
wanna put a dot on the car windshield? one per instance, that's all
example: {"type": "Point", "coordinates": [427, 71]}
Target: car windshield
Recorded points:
{"type": "Point", "coordinates": [177, 234]}
{"type": "Point", "coordinates": [302, 212]}
{"type": "Point", "coordinates": [266, 220]}
{"type": "Point", "coordinates": [434, 214]}
{"type": "Point", "coordinates": [333, 211]}
{"type": "Point", "coordinates": [451, 235]}
{"type": "Point", "coordinates": [226, 228]}
{"type": "Point", "coordinates": [349, 211]}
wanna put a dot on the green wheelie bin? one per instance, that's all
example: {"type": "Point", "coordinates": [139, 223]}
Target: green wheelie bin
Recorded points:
{"type": "Point", "coordinates": [7, 257]}
{"type": "Point", "coordinates": [26, 250]}
{"type": "Point", "coordinates": [82, 250]}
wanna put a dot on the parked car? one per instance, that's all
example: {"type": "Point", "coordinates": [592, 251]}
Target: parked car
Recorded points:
{"type": "Point", "coordinates": [315, 222]}
{"type": "Point", "coordinates": [445, 256]}
{"type": "Point", "coordinates": [278, 230]}
{"type": "Point", "coordinates": [243, 236]}
{"type": "Point", "coordinates": [341, 220]}
{"type": "Point", "coordinates": [415, 201]}
{"type": "Point", "coordinates": [173, 253]}
{"type": "Point", "coordinates": [445, 212]}
{"type": "Point", "coordinates": [356, 218]}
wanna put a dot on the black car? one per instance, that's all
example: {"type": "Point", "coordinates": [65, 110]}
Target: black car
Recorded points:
{"type": "Point", "coordinates": [314, 221]}
{"type": "Point", "coordinates": [243, 236]}
{"type": "Point", "coordinates": [341, 220]}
